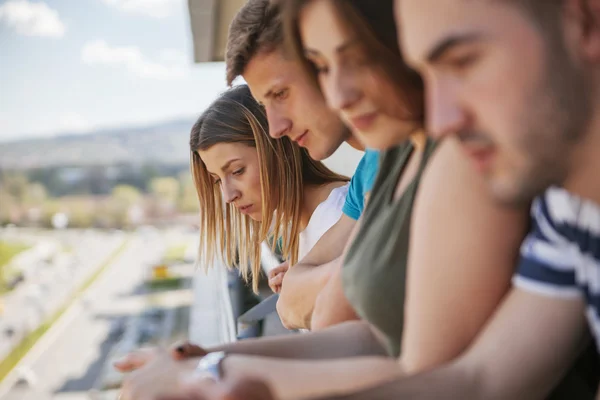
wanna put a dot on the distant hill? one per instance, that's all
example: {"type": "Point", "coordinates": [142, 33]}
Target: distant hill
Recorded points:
{"type": "Point", "coordinates": [164, 143]}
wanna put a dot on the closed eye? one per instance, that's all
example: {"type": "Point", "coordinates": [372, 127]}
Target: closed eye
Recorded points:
{"type": "Point", "coordinates": [281, 94]}
{"type": "Point", "coordinates": [239, 171]}
{"type": "Point", "coordinates": [320, 69]}
{"type": "Point", "coordinates": [463, 61]}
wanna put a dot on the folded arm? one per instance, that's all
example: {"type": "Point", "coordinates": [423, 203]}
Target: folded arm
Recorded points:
{"type": "Point", "coordinates": [304, 281]}
{"type": "Point", "coordinates": [300, 379]}
{"type": "Point", "coordinates": [521, 355]}
{"type": "Point", "coordinates": [355, 338]}
{"type": "Point", "coordinates": [464, 249]}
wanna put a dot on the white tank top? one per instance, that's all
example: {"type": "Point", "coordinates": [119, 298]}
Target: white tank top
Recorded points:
{"type": "Point", "coordinates": [324, 217]}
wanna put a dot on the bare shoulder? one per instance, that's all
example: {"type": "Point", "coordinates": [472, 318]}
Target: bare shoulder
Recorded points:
{"type": "Point", "coordinates": [453, 192]}
{"type": "Point", "coordinates": [450, 173]}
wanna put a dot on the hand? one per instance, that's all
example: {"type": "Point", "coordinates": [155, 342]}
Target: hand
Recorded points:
{"type": "Point", "coordinates": [276, 276]}
{"type": "Point", "coordinates": [245, 389]}
{"type": "Point", "coordinates": [137, 359]}
{"type": "Point", "coordinates": [160, 376]}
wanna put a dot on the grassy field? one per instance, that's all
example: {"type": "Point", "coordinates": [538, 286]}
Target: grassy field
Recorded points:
{"type": "Point", "coordinates": [7, 252]}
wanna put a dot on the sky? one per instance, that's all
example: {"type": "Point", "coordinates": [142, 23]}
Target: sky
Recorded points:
{"type": "Point", "coordinates": [79, 65]}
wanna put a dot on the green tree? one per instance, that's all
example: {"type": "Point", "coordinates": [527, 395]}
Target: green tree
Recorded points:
{"type": "Point", "coordinates": [165, 189]}
{"type": "Point", "coordinates": [126, 195]}
{"type": "Point", "coordinates": [17, 185]}
{"type": "Point", "coordinates": [7, 205]}
{"type": "Point", "coordinates": [123, 197]}
{"type": "Point", "coordinates": [36, 194]}
{"type": "Point", "coordinates": [188, 200]}
{"type": "Point", "coordinates": [82, 213]}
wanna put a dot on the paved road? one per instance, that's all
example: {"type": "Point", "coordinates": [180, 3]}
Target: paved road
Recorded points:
{"type": "Point", "coordinates": [68, 359]}
{"type": "Point", "coordinates": [49, 286]}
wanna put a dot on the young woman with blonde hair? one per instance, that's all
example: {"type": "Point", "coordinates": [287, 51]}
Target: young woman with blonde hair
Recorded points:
{"type": "Point", "coordinates": [251, 186]}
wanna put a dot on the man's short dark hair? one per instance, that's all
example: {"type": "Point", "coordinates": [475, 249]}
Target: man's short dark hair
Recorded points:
{"type": "Point", "coordinates": [256, 28]}
{"type": "Point", "coordinates": [546, 13]}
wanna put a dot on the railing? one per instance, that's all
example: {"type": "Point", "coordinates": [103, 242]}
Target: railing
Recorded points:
{"type": "Point", "coordinates": [228, 325]}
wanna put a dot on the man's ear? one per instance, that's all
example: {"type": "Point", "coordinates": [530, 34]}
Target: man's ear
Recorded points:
{"type": "Point", "coordinates": [583, 16]}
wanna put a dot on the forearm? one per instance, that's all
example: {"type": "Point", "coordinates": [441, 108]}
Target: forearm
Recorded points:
{"type": "Point", "coordinates": [501, 365]}
{"type": "Point", "coordinates": [301, 286]}
{"type": "Point", "coordinates": [445, 383]}
{"type": "Point", "coordinates": [345, 340]}
{"type": "Point", "coordinates": [332, 306]}
{"type": "Point", "coordinates": [299, 379]}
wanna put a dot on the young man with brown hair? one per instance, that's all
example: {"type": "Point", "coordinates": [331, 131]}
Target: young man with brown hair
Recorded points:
{"type": "Point", "coordinates": [295, 108]}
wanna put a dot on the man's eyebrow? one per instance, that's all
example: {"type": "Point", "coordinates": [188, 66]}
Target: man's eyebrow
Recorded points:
{"type": "Point", "coordinates": [444, 46]}
{"type": "Point", "coordinates": [268, 94]}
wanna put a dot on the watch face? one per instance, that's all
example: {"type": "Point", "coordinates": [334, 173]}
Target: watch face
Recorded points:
{"type": "Point", "coordinates": [210, 365]}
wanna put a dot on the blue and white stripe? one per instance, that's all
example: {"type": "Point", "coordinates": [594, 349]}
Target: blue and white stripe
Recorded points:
{"type": "Point", "coordinates": [561, 255]}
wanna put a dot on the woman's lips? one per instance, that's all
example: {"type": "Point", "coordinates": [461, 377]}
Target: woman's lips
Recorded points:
{"type": "Point", "coordinates": [245, 209]}
{"type": "Point", "coordinates": [364, 121]}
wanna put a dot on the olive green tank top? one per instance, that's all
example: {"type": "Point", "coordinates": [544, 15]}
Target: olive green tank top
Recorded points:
{"type": "Point", "coordinates": [374, 271]}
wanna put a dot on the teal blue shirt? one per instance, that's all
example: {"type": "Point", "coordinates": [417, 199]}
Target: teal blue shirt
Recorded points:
{"type": "Point", "coordinates": [361, 184]}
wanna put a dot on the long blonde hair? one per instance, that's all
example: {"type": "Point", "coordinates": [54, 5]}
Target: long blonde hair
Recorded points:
{"type": "Point", "coordinates": [226, 234]}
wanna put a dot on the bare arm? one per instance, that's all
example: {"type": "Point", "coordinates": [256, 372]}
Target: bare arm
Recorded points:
{"type": "Point", "coordinates": [332, 307]}
{"type": "Point", "coordinates": [521, 354]}
{"type": "Point", "coordinates": [355, 338]}
{"type": "Point", "coordinates": [346, 340]}
{"type": "Point", "coordinates": [304, 281]}
{"type": "Point", "coordinates": [301, 379]}
{"type": "Point", "coordinates": [464, 248]}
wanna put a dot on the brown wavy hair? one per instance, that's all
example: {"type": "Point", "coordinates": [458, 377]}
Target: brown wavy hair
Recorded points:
{"type": "Point", "coordinates": [373, 22]}
{"type": "Point", "coordinates": [226, 234]}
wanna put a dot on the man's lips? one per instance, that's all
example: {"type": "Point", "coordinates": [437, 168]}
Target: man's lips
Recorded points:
{"type": "Point", "coordinates": [482, 156]}
{"type": "Point", "coordinates": [301, 139]}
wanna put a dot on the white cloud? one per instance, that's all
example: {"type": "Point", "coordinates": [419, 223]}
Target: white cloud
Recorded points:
{"type": "Point", "coordinates": [150, 8]}
{"type": "Point", "coordinates": [32, 19]}
{"type": "Point", "coordinates": [73, 122]}
{"type": "Point", "coordinates": [173, 56]}
{"type": "Point", "coordinates": [99, 52]}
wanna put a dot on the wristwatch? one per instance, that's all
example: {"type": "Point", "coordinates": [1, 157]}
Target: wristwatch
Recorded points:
{"type": "Point", "coordinates": [210, 365]}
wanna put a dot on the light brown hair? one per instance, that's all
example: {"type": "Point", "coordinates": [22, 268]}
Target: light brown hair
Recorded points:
{"type": "Point", "coordinates": [285, 168]}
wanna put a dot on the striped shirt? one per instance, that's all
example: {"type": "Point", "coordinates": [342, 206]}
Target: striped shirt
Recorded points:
{"type": "Point", "coordinates": [561, 255]}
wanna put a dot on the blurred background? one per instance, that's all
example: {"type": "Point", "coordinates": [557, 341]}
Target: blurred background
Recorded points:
{"type": "Point", "coordinates": [98, 240]}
